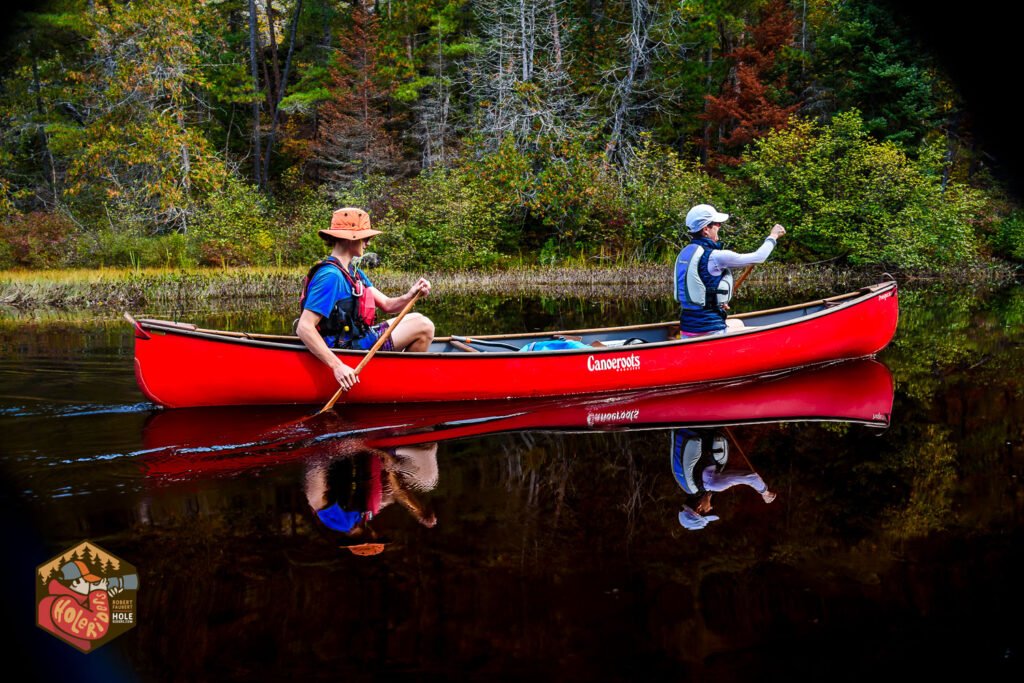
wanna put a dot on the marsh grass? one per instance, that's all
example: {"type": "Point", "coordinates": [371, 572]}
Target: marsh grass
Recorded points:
{"type": "Point", "coordinates": [136, 288]}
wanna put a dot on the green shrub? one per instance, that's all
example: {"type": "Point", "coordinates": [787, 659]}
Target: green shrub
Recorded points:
{"type": "Point", "coordinates": [296, 219]}
{"type": "Point", "coordinates": [440, 219]}
{"type": "Point", "coordinates": [6, 256]}
{"type": "Point", "coordinates": [233, 227]}
{"type": "Point", "coordinates": [129, 249]}
{"type": "Point", "coordinates": [577, 198]}
{"type": "Point", "coordinates": [844, 195]}
{"type": "Point", "coordinates": [659, 188]}
{"type": "Point", "coordinates": [171, 251]}
{"type": "Point", "coordinates": [563, 196]}
{"type": "Point", "coordinates": [299, 212]}
{"type": "Point", "coordinates": [1009, 237]}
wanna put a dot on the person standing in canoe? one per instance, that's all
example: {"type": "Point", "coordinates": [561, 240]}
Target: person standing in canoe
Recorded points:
{"type": "Point", "coordinates": [339, 302]}
{"type": "Point", "coordinates": [703, 272]}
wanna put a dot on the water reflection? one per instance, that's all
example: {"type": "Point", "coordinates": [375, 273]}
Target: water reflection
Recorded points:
{"type": "Point", "coordinates": [358, 460]}
{"type": "Point", "coordinates": [196, 440]}
{"type": "Point", "coordinates": [349, 487]}
{"type": "Point", "coordinates": [557, 527]}
{"type": "Point", "coordinates": [700, 459]}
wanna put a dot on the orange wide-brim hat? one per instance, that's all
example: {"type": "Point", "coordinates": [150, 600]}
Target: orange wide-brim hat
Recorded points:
{"type": "Point", "coordinates": [350, 224]}
{"type": "Point", "coordinates": [366, 549]}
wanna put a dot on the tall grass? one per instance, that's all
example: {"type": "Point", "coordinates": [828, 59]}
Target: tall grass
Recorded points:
{"type": "Point", "coordinates": [134, 289]}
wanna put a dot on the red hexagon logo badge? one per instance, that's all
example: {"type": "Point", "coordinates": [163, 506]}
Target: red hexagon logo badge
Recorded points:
{"type": "Point", "coordinates": [86, 596]}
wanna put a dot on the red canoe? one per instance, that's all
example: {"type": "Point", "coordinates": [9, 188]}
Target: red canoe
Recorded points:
{"type": "Point", "coordinates": [186, 443]}
{"type": "Point", "coordinates": [179, 365]}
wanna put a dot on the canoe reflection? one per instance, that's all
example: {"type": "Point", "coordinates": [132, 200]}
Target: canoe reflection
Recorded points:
{"type": "Point", "coordinates": [194, 442]}
{"type": "Point", "coordinates": [359, 459]}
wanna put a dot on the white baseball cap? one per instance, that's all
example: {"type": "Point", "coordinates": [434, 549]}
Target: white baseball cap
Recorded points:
{"type": "Point", "coordinates": [693, 521]}
{"type": "Point", "coordinates": [701, 215]}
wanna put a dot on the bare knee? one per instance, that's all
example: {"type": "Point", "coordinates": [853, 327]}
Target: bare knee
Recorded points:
{"type": "Point", "coordinates": [414, 333]}
{"type": "Point", "coordinates": [424, 332]}
{"type": "Point", "coordinates": [427, 327]}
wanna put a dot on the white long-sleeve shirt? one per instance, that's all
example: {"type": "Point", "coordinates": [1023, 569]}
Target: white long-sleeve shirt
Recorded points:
{"type": "Point", "coordinates": [721, 259]}
{"type": "Point", "coordinates": [720, 481]}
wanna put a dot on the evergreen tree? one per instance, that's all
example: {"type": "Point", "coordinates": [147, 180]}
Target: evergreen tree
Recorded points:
{"type": "Point", "coordinates": [354, 140]}
{"type": "Point", "coordinates": [864, 59]}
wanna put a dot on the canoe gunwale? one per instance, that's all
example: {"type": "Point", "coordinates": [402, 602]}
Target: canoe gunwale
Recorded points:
{"type": "Point", "coordinates": [839, 303]}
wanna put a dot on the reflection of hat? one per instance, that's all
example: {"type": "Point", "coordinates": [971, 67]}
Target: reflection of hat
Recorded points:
{"type": "Point", "coordinates": [77, 570]}
{"type": "Point", "coordinates": [694, 522]}
{"type": "Point", "coordinates": [366, 549]}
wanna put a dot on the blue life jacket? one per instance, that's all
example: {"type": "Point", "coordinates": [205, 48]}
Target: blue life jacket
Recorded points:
{"type": "Point", "coordinates": [692, 453]}
{"type": "Point", "coordinates": [700, 294]}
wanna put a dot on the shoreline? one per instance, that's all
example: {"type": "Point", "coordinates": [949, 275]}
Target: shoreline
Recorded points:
{"type": "Point", "coordinates": [121, 289]}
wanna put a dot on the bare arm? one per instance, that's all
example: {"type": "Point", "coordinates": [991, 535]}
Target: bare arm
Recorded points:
{"type": "Point", "coordinates": [411, 502]}
{"type": "Point", "coordinates": [395, 304]}
{"type": "Point", "coordinates": [401, 492]}
{"type": "Point", "coordinates": [307, 332]}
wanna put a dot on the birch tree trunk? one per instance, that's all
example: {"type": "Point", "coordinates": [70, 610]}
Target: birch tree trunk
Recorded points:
{"type": "Point", "coordinates": [640, 51]}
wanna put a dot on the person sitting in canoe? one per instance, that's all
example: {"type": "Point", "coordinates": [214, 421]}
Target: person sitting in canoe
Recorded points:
{"type": "Point", "coordinates": [703, 276]}
{"type": "Point", "coordinates": [339, 302]}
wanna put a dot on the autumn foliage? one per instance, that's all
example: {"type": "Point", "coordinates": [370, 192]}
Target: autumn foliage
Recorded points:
{"type": "Point", "coordinates": [748, 107]}
{"type": "Point", "coordinates": [354, 140]}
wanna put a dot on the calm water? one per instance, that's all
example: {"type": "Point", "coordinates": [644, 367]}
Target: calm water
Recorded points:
{"type": "Point", "coordinates": [542, 541]}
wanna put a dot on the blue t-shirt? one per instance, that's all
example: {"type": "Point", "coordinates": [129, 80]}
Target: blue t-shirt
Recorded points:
{"type": "Point", "coordinates": [327, 287]}
{"type": "Point", "coordinates": [338, 519]}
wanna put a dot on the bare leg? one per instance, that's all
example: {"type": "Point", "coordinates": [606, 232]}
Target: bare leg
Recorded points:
{"type": "Point", "coordinates": [414, 333]}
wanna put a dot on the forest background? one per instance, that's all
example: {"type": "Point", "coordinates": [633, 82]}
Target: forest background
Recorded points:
{"type": "Point", "coordinates": [484, 133]}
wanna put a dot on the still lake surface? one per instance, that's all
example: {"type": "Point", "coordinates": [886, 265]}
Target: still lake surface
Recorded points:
{"type": "Point", "coordinates": [544, 542]}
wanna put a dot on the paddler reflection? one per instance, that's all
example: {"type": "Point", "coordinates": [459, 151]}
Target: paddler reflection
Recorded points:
{"type": "Point", "coordinates": [700, 460]}
{"type": "Point", "coordinates": [348, 489]}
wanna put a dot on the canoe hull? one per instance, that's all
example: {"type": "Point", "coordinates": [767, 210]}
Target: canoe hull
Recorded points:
{"type": "Point", "coordinates": [181, 369]}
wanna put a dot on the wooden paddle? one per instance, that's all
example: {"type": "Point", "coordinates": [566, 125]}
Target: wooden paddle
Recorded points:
{"type": "Point", "coordinates": [742, 277]}
{"type": "Point", "coordinates": [736, 443]}
{"type": "Point", "coordinates": [373, 349]}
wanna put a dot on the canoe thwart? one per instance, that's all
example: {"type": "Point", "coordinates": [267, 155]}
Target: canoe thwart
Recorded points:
{"type": "Point", "coordinates": [463, 347]}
